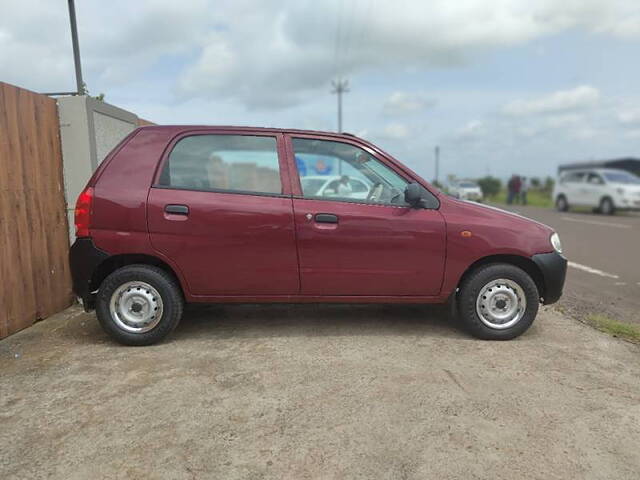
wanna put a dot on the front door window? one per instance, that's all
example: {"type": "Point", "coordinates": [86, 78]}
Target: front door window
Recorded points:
{"type": "Point", "coordinates": [339, 171]}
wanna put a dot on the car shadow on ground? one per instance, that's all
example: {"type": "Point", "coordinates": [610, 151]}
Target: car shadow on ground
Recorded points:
{"type": "Point", "coordinates": [286, 320]}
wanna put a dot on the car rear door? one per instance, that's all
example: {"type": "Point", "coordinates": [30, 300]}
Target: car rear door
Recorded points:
{"type": "Point", "coordinates": [221, 211]}
{"type": "Point", "coordinates": [363, 247]}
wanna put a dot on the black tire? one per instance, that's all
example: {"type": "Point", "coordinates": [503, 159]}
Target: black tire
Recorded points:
{"type": "Point", "coordinates": [162, 282]}
{"type": "Point", "coordinates": [606, 206]}
{"type": "Point", "coordinates": [471, 288]}
{"type": "Point", "coordinates": [562, 205]}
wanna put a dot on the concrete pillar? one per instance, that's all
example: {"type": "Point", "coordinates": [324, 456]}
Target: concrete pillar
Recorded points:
{"type": "Point", "coordinates": [89, 129]}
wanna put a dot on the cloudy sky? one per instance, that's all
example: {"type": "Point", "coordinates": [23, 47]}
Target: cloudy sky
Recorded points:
{"type": "Point", "coordinates": [502, 86]}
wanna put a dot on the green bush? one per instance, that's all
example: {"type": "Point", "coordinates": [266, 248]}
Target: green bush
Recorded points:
{"type": "Point", "coordinates": [490, 186]}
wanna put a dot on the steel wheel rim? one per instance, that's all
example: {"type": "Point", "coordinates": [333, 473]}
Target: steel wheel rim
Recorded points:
{"type": "Point", "coordinates": [501, 304]}
{"type": "Point", "coordinates": [136, 307]}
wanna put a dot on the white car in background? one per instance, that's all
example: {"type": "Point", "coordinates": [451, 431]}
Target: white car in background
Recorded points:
{"type": "Point", "coordinates": [466, 190]}
{"type": "Point", "coordinates": [603, 189]}
{"type": "Point", "coordinates": [328, 186]}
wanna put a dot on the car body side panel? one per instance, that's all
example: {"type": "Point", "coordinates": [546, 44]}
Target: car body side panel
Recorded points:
{"type": "Point", "coordinates": [371, 250]}
{"type": "Point", "coordinates": [489, 234]}
{"type": "Point", "coordinates": [119, 220]}
{"type": "Point", "coordinates": [121, 185]}
{"type": "Point", "coordinates": [229, 243]}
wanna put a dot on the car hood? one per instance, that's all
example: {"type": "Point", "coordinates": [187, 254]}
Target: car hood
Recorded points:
{"type": "Point", "coordinates": [627, 187]}
{"type": "Point", "coordinates": [500, 212]}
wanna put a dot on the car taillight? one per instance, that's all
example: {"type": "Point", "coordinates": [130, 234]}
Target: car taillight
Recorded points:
{"type": "Point", "coordinates": [83, 212]}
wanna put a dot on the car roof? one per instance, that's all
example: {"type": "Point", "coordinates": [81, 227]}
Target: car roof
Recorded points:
{"type": "Point", "coordinates": [596, 170]}
{"type": "Point", "coordinates": [180, 128]}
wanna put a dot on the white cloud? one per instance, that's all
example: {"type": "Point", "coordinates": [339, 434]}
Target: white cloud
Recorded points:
{"type": "Point", "coordinates": [402, 103]}
{"type": "Point", "coordinates": [270, 56]}
{"type": "Point", "coordinates": [629, 117]}
{"type": "Point", "coordinates": [578, 98]}
{"type": "Point", "coordinates": [472, 129]}
{"type": "Point", "coordinates": [395, 131]}
{"type": "Point", "coordinates": [292, 54]}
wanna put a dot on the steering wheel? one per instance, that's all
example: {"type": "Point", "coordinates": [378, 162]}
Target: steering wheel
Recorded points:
{"type": "Point", "coordinates": [375, 192]}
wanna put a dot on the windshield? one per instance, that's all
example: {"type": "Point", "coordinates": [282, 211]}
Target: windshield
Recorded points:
{"type": "Point", "coordinates": [622, 177]}
{"type": "Point", "coordinates": [468, 185]}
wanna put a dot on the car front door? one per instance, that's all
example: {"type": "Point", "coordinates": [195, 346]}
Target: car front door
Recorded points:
{"type": "Point", "coordinates": [219, 212]}
{"type": "Point", "coordinates": [593, 189]}
{"type": "Point", "coordinates": [376, 246]}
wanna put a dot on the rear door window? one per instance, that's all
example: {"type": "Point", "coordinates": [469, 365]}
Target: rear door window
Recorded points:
{"type": "Point", "coordinates": [227, 163]}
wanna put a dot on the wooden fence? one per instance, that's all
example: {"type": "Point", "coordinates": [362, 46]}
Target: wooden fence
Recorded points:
{"type": "Point", "coordinates": [35, 281]}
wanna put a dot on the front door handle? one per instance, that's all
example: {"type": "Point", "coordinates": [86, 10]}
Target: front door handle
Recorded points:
{"type": "Point", "coordinates": [177, 209]}
{"type": "Point", "coordinates": [326, 218]}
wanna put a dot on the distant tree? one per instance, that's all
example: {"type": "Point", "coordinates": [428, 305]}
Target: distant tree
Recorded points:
{"type": "Point", "coordinates": [535, 182]}
{"type": "Point", "coordinates": [548, 184]}
{"type": "Point", "coordinates": [437, 184]}
{"type": "Point", "coordinates": [490, 186]}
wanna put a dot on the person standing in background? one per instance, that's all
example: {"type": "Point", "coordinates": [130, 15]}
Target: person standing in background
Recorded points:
{"type": "Point", "coordinates": [524, 188]}
{"type": "Point", "coordinates": [510, 190]}
{"type": "Point", "coordinates": [517, 183]}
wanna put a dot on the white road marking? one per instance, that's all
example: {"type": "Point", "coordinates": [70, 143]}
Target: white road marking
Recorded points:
{"type": "Point", "coordinates": [595, 222]}
{"type": "Point", "coordinates": [595, 271]}
{"type": "Point", "coordinates": [620, 283]}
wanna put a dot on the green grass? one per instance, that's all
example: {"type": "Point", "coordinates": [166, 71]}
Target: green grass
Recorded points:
{"type": "Point", "coordinates": [614, 327]}
{"type": "Point", "coordinates": [535, 198]}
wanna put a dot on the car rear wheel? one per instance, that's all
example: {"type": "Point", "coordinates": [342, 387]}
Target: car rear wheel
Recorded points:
{"type": "Point", "coordinates": [561, 203]}
{"type": "Point", "coordinates": [139, 304]}
{"type": "Point", "coordinates": [498, 302]}
{"type": "Point", "coordinates": [606, 206]}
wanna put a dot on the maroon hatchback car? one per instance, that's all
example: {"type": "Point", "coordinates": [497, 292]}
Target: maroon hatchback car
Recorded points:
{"type": "Point", "coordinates": [180, 214]}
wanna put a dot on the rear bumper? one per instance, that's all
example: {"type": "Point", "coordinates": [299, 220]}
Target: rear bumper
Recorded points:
{"type": "Point", "coordinates": [554, 270]}
{"type": "Point", "coordinates": [84, 257]}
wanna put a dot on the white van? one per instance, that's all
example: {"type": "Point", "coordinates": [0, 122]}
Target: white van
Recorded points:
{"type": "Point", "coordinates": [604, 189]}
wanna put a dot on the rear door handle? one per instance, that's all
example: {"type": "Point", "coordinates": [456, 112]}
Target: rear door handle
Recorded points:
{"type": "Point", "coordinates": [177, 209]}
{"type": "Point", "coordinates": [326, 218]}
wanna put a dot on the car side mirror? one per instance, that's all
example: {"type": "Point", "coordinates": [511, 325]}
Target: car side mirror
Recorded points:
{"type": "Point", "coordinates": [419, 197]}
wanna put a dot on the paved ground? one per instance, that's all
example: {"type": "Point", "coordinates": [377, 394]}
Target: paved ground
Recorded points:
{"type": "Point", "coordinates": [604, 251]}
{"type": "Point", "coordinates": [249, 392]}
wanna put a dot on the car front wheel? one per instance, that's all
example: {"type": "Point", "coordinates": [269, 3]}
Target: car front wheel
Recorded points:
{"type": "Point", "coordinates": [498, 302]}
{"type": "Point", "coordinates": [607, 207]}
{"type": "Point", "coordinates": [139, 304]}
{"type": "Point", "coordinates": [561, 203]}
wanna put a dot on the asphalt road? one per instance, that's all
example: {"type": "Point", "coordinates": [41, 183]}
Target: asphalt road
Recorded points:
{"type": "Point", "coordinates": [604, 256]}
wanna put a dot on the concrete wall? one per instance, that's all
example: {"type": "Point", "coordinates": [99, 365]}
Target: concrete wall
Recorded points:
{"type": "Point", "coordinates": [89, 129]}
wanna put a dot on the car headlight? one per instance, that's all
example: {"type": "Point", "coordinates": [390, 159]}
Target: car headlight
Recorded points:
{"type": "Point", "coordinates": [555, 242]}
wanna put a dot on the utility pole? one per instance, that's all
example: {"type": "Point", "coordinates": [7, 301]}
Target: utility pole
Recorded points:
{"type": "Point", "coordinates": [80, 87]}
{"type": "Point", "coordinates": [437, 152]}
{"type": "Point", "coordinates": [76, 48]}
{"type": "Point", "coordinates": [340, 87]}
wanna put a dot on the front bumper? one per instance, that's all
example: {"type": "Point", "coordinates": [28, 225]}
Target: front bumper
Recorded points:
{"type": "Point", "coordinates": [84, 258]}
{"type": "Point", "coordinates": [554, 270]}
